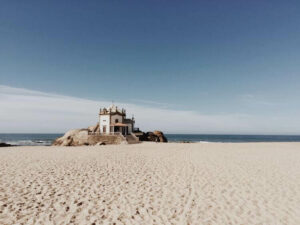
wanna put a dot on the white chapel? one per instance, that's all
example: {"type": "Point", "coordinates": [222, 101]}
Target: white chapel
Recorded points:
{"type": "Point", "coordinates": [113, 121]}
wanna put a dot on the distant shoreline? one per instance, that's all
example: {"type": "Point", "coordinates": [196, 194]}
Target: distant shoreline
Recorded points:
{"type": "Point", "coordinates": [5, 145]}
{"type": "Point", "coordinates": [47, 139]}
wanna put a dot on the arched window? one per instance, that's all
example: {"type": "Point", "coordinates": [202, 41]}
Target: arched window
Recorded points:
{"type": "Point", "coordinates": [116, 121]}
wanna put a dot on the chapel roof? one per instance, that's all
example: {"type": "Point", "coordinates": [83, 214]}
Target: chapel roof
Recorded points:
{"type": "Point", "coordinates": [113, 109]}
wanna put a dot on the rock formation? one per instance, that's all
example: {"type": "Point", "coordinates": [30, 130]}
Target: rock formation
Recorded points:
{"type": "Point", "coordinates": [2, 144]}
{"type": "Point", "coordinates": [73, 138]}
{"type": "Point", "coordinates": [156, 136]}
{"type": "Point", "coordinates": [80, 137]}
{"type": "Point", "coordinates": [161, 136]}
{"type": "Point", "coordinates": [94, 128]}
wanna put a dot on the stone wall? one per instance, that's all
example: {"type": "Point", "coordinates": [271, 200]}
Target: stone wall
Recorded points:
{"type": "Point", "coordinates": [107, 139]}
{"type": "Point", "coordinates": [83, 137]}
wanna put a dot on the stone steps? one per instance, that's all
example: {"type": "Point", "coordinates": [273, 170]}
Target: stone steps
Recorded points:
{"type": "Point", "coordinates": [131, 139]}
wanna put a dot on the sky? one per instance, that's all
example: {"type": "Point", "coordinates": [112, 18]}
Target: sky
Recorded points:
{"type": "Point", "coordinates": [224, 67]}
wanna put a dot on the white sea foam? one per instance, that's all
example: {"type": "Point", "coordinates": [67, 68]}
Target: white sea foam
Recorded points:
{"type": "Point", "coordinates": [29, 143]}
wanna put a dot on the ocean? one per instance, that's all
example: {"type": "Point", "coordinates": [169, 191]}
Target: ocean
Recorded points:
{"type": "Point", "coordinates": [47, 139]}
{"type": "Point", "coordinates": [231, 138]}
{"type": "Point", "coordinates": [29, 139]}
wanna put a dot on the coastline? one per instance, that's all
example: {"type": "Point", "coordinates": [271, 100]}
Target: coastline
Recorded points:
{"type": "Point", "coordinates": [37, 139]}
{"type": "Point", "coordinates": [151, 183]}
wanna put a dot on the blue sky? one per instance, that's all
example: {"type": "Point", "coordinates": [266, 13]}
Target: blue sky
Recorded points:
{"type": "Point", "coordinates": [214, 58]}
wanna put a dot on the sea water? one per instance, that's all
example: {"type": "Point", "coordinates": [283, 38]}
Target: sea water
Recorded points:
{"type": "Point", "coordinates": [29, 139]}
{"type": "Point", "coordinates": [232, 138]}
{"type": "Point", "coordinates": [47, 139]}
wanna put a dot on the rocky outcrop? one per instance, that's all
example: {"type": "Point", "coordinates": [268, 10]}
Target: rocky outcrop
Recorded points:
{"type": "Point", "coordinates": [161, 136]}
{"type": "Point", "coordinates": [156, 136]}
{"type": "Point", "coordinates": [2, 144]}
{"type": "Point", "coordinates": [87, 136]}
{"type": "Point", "coordinates": [94, 129]}
{"type": "Point", "coordinates": [73, 138]}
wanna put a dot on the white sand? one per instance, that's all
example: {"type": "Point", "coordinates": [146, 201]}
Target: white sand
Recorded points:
{"type": "Point", "coordinates": [151, 183]}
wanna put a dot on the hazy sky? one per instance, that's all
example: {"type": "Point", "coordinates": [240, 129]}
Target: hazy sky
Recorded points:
{"type": "Point", "coordinates": [206, 66]}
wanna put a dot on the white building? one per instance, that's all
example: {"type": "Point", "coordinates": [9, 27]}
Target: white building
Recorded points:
{"type": "Point", "coordinates": [113, 120]}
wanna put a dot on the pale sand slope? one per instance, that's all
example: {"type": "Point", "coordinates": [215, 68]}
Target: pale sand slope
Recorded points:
{"type": "Point", "coordinates": [151, 183]}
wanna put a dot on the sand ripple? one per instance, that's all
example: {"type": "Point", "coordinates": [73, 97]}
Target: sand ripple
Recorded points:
{"type": "Point", "coordinates": [151, 184]}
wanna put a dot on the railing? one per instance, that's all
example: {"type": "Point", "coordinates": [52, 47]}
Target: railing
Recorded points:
{"type": "Point", "coordinates": [98, 133]}
{"type": "Point", "coordinates": [108, 134]}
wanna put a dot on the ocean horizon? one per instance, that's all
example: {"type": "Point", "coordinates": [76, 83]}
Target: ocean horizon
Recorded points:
{"type": "Point", "coordinates": [46, 139]}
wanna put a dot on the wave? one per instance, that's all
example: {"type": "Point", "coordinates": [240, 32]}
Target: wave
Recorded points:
{"type": "Point", "coordinates": [30, 142]}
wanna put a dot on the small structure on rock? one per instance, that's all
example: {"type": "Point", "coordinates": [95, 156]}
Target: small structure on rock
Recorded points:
{"type": "Point", "coordinates": [113, 120]}
{"type": "Point", "coordinates": [113, 128]}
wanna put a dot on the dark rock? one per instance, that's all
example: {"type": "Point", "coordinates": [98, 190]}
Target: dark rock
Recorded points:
{"type": "Point", "coordinates": [185, 141]}
{"type": "Point", "coordinates": [2, 144]}
{"type": "Point", "coordinates": [156, 136]}
{"type": "Point", "coordinates": [161, 136]}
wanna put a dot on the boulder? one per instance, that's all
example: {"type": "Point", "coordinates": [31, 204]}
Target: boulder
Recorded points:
{"type": "Point", "coordinates": [2, 144]}
{"type": "Point", "coordinates": [152, 137]}
{"type": "Point", "coordinates": [94, 129]}
{"type": "Point", "coordinates": [156, 136]}
{"type": "Point", "coordinates": [161, 136]}
{"type": "Point", "coordinates": [73, 138]}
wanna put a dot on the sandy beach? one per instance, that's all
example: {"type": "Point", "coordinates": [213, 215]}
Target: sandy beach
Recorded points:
{"type": "Point", "coordinates": [151, 183]}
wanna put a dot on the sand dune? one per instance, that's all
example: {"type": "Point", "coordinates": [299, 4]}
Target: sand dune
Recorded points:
{"type": "Point", "coordinates": [149, 183]}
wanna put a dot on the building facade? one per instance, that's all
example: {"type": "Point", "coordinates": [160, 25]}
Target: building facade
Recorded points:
{"type": "Point", "coordinates": [113, 121]}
